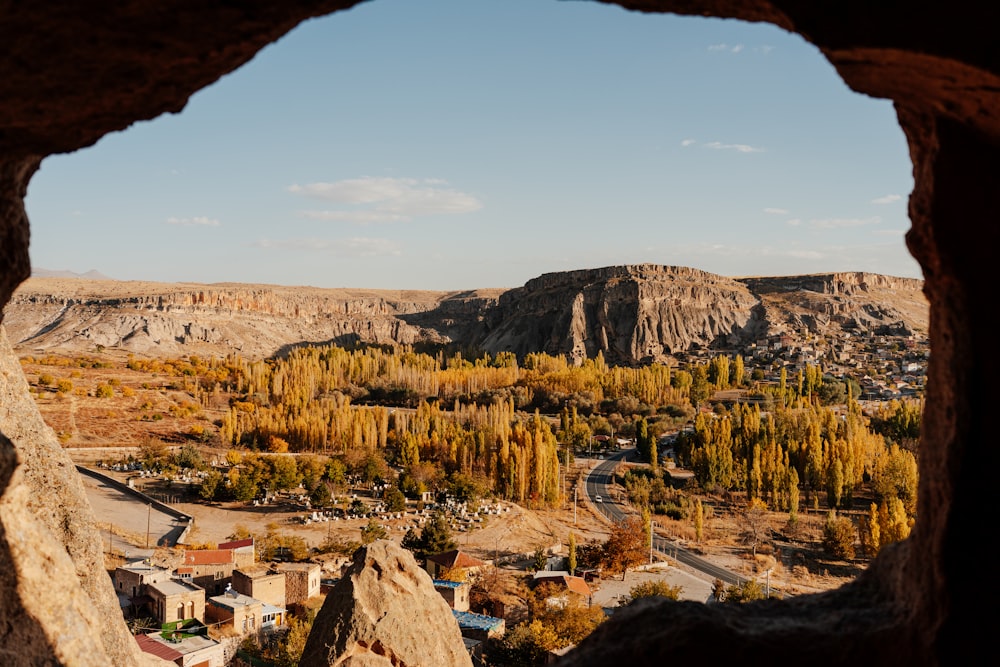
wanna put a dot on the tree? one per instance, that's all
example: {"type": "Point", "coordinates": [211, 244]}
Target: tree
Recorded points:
{"type": "Point", "coordinates": [435, 537]}
{"type": "Point", "coordinates": [754, 524]}
{"type": "Point", "coordinates": [211, 484]}
{"type": "Point", "coordinates": [320, 495]}
{"type": "Point", "coordinates": [539, 559]}
{"type": "Point", "coordinates": [373, 531]}
{"type": "Point", "coordinates": [625, 546]}
{"type": "Point", "coordinates": [748, 591]}
{"type": "Point", "coordinates": [699, 520]}
{"type": "Point", "coordinates": [526, 645]}
{"type": "Point", "coordinates": [569, 614]}
{"type": "Point", "coordinates": [571, 560]}
{"type": "Point", "coordinates": [838, 536]}
{"type": "Point", "coordinates": [649, 589]}
{"type": "Point", "coordinates": [395, 501]}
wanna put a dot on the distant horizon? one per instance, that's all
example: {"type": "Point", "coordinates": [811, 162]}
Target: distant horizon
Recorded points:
{"type": "Point", "coordinates": [88, 276]}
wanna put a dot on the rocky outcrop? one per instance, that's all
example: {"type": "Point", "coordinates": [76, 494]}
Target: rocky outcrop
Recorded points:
{"type": "Point", "coordinates": [630, 314]}
{"type": "Point", "coordinates": [384, 612]}
{"type": "Point", "coordinates": [53, 549]}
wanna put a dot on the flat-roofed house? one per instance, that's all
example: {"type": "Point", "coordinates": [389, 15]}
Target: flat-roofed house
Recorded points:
{"type": "Point", "coordinates": [302, 581]}
{"type": "Point", "coordinates": [183, 649]}
{"type": "Point", "coordinates": [242, 613]}
{"type": "Point", "coordinates": [455, 593]}
{"type": "Point", "coordinates": [262, 583]}
{"type": "Point", "coordinates": [132, 579]}
{"type": "Point", "coordinates": [176, 600]}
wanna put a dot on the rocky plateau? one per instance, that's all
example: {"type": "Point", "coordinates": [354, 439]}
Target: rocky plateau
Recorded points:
{"type": "Point", "coordinates": [631, 314]}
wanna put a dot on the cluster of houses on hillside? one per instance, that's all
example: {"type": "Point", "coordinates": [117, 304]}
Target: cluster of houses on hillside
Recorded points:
{"type": "Point", "coordinates": [224, 588]}
{"type": "Point", "coordinates": [886, 366]}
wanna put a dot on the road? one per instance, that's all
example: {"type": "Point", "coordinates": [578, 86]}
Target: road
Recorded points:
{"type": "Point", "coordinates": [599, 484]}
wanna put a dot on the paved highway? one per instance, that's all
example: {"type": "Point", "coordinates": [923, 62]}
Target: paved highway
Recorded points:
{"type": "Point", "coordinates": [598, 484]}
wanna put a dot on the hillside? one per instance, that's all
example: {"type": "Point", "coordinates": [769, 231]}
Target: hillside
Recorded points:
{"type": "Point", "coordinates": [632, 314]}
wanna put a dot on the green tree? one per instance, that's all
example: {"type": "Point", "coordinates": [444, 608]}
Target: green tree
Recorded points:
{"type": "Point", "coordinates": [748, 591]}
{"type": "Point", "coordinates": [320, 495]}
{"type": "Point", "coordinates": [539, 559]}
{"type": "Point", "coordinates": [435, 537]}
{"type": "Point", "coordinates": [211, 485]}
{"type": "Point", "coordinates": [284, 472]}
{"type": "Point", "coordinates": [373, 531]}
{"type": "Point", "coordinates": [648, 589]}
{"type": "Point", "coordinates": [395, 500]}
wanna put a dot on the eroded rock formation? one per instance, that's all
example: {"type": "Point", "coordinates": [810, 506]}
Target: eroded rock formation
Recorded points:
{"type": "Point", "coordinates": [72, 75]}
{"type": "Point", "coordinates": [384, 612]}
{"type": "Point", "coordinates": [630, 314]}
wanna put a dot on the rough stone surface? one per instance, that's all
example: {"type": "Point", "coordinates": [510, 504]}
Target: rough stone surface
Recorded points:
{"type": "Point", "coordinates": [630, 314]}
{"type": "Point", "coordinates": [71, 75]}
{"type": "Point", "coordinates": [50, 504]}
{"type": "Point", "coordinates": [384, 612]}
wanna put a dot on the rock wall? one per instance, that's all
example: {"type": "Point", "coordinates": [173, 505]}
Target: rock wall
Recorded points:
{"type": "Point", "coordinates": [54, 554]}
{"type": "Point", "coordinates": [72, 75]}
{"type": "Point", "coordinates": [630, 314]}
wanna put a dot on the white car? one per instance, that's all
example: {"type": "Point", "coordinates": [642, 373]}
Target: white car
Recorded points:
{"type": "Point", "coordinates": [598, 499]}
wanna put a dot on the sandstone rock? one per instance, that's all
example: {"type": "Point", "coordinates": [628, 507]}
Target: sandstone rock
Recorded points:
{"type": "Point", "coordinates": [630, 314]}
{"type": "Point", "coordinates": [384, 612]}
{"type": "Point", "coordinates": [50, 550]}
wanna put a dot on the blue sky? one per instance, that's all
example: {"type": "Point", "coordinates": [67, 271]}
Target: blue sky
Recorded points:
{"type": "Point", "coordinates": [459, 144]}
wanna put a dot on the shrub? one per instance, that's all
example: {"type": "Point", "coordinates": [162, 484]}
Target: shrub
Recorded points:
{"type": "Point", "coordinates": [838, 536]}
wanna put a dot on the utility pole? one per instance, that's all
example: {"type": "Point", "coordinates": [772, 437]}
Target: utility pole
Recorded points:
{"type": "Point", "coordinates": [575, 487]}
{"type": "Point", "coordinates": [149, 511]}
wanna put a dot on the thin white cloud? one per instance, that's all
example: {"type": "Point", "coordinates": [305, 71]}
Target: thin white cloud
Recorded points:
{"type": "Point", "coordinates": [357, 217]}
{"type": "Point", "coordinates": [351, 247]}
{"type": "Point", "coordinates": [392, 199]}
{"type": "Point", "coordinates": [765, 49]}
{"type": "Point", "coordinates": [776, 211]}
{"type": "Point", "coordinates": [888, 199]}
{"type": "Point", "coordinates": [731, 48]}
{"type": "Point", "coordinates": [199, 221]}
{"type": "Point", "coordinates": [841, 223]}
{"type": "Point", "coordinates": [794, 222]}
{"type": "Point", "coordinates": [739, 148]}
{"type": "Point", "coordinates": [688, 142]}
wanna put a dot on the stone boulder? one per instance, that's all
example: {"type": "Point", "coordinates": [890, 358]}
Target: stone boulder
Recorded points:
{"type": "Point", "coordinates": [384, 612]}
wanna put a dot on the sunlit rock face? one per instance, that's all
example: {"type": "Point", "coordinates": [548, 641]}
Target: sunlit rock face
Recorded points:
{"type": "Point", "coordinates": [385, 611]}
{"type": "Point", "coordinates": [70, 76]}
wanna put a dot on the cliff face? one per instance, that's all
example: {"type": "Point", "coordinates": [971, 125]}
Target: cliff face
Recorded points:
{"type": "Point", "coordinates": [631, 314]}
